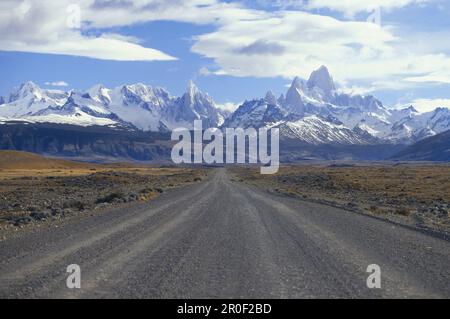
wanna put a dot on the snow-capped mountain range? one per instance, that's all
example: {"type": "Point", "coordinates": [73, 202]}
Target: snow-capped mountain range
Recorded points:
{"type": "Point", "coordinates": [312, 111]}
{"type": "Point", "coordinates": [315, 112]}
{"type": "Point", "coordinates": [135, 106]}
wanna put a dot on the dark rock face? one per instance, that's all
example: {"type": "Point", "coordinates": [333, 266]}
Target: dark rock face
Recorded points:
{"type": "Point", "coordinates": [89, 143]}
{"type": "Point", "coordinates": [436, 148]}
{"type": "Point", "coordinates": [40, 215]}
{"type": "Point", "coordinates": [292, 152]}
{"type": "Point", "coordinates": [101, 144]}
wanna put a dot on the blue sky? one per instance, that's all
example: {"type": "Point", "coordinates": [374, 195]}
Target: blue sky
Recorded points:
{"type": "Point", "coordinates": [234, 50]}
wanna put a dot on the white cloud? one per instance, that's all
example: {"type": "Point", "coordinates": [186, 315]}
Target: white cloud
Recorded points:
{"type": "Point", "coordinates": [435, 77]}
{"type": "Point", "coordinates": [292, 43]}
{"type": "Point", "coordinates": [204, 71]}
{"type": "Point", "coordinates": [304, 41]}
{"type": "Point", "coordinates": [57, 83]}
{"type": "Point", "coordinates": [356, 90]}
{"type": "Point", "coordinates": [348, 7]}
{"type": "Point", "coordinates": [246, 42]}
{"type": "Point", "coordinates": [351, 7]}
{"type": "Point", "coordinates": [228, 107]}
{"type": "Point", "coordinates": [113, 13]}
{"type": "Point", "coordinates": [427, 105]}
{"type": "Point", "coordinates": [49, 27]}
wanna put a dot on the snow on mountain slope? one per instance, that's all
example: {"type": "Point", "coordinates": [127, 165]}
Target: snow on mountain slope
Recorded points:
{"type": "Point", "coordinates": [376, 123]}
{"type": "Point", "coordinates": [79, 118]}
{"type": "Point", "coordinates": [136, 106]}
{"type": "Point", "coordinates": [417, 126]}
{"type": "Point", "coordinates": [296, 98]}
{"type": "Point", "coordinates": [29, 99]}
{"type": "Point", "coordinates": [313, 129]}
{"type": "Point", "coordinates": [256, 113]}
{"type": "Point", "coordinates": [193, 105]}
{"type": "Point", "coordinates": [312, 111]}
{"type": "Point", "coordinates": [321, 85]}
{"type": "Point", "coordinates": [316, 105]}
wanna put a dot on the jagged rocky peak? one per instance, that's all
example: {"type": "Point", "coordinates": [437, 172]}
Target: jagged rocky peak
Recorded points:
{"type": "Point", "coordinates": [442, 110]}
{"type": "Point", "coordinates": [26, 90]}
{"type": "Point", "coordinates": [194, 105]}
{"type": "Point", "coordinates": [321, 78]}
{"type": "Point", "coordinates": [294, 97]}
{"type": "Point", "coordinates": [28, 86]}
{"type": "Point", "coordinates": [194, 95]}
{"type": "Point", "coordinates": [72, 95]}
{"type": "Point", "coordinates": [191, 94]}
{"type": "Point", "coordinates": [192, 89]}
{"type": "Point", "coordinates": [297, 83]}
{"type": "Point", "coordinates": [97, 89]}
{"type": "Point", "coordinates": [139, 89]}
{"type": "Point", "coordinates": [413, 109]}
{"type": "Point", "coordinates": [137, 93]}
{"type": "Point", "coordinates": [407, 111]}
{"type": "Point", "coordinates": [100, 93]}
{"type": "Point", "coordinates": [271, 98]}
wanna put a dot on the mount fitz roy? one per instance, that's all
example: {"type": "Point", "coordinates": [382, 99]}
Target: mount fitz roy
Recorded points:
{"type": "Point", "coordinates": [312, 112]}
{"type": "Point", "coordinates": [315, 112]}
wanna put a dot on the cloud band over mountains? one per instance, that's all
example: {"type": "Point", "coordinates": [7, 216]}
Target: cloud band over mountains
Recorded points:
{"type": "Point", "coordinates": [247, 41]}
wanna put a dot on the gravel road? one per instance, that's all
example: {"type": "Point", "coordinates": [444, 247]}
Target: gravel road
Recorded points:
{"type": "Point", "coordinates": [223, 239]}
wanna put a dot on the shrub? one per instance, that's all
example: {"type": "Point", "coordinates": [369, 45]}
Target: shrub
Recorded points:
{"type": "Point", "coordinates": [403, 211]}
{"type": "Point", "coordinates": [110, 198]}
{"type": "Point", "coordinates": [74, 204]}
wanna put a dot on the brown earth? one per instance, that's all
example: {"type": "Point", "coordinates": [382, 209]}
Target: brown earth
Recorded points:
{"type": "Point", "coordinates": [35, 189]}
{"type": "Point", "coordinates": [414, 194]}
{"type": "Point", "coordinates": [16, 160]}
